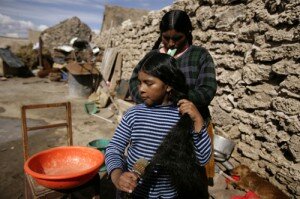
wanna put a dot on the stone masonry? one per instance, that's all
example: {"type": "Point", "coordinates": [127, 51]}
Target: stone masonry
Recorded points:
{"type": "Point", "coordinates": [255, 45]}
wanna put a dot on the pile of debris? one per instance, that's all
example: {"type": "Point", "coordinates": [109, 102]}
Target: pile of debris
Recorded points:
{"type": "Point", "coordinates": [92, 72]}
{"type": "Point", "coordinates": [11, 65]}
{"type": "Point", "coordinates": [111, 87]}
{"type": "Point", "coordinates": [68, 43]}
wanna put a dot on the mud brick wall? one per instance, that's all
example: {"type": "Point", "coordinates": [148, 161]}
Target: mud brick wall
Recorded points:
{"type": "Point", "coordinates": [13, 43]}
{"type": "Point", "coordinates": [255, 45]}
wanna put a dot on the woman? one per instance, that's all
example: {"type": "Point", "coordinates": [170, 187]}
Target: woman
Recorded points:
{"type": "Point", "coordinates": [194, 61]}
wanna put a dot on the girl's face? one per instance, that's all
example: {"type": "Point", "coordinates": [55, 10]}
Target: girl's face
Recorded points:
{"type": "Point", "coordinates": [153, 91]}
{"type": "Point", "coordinates": [172, 39]}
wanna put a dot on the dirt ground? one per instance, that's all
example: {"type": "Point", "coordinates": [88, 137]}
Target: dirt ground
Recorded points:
{"type": "Point", "coordinates": [15, 92]}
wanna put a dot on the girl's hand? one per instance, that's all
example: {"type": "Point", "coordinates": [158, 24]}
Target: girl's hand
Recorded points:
{"type": "Point", "coordinates": [124, 181]}
{"type": "Point", "coordinates": [187, 107]}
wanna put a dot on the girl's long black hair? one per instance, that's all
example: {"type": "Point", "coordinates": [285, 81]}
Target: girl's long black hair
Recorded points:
{"type": "Point", "coordinates": [177, 20]}
{"type": "Point", "coordinates": [176, 154]}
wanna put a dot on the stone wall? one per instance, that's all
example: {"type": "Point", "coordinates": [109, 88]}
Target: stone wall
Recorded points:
{"type": "Point", "coordinates": [255, 45]}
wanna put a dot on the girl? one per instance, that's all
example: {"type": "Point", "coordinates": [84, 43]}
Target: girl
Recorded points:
{"type": "Point", "coordinates": [158, 130]}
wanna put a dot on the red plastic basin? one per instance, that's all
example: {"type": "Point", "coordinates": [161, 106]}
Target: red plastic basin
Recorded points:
{"type": "Point", "coordinates": [64, 167]}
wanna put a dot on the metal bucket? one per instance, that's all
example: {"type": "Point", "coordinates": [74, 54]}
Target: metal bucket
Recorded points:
{"type": "Point", "coordinates": [223, 148]}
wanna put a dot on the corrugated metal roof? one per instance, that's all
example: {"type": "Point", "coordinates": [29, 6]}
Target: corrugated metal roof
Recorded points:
{"type": "Point", "coordinates": [10, 59]}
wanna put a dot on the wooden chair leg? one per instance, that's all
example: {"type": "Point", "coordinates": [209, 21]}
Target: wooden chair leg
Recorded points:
{"type": "Point", "coordinates": [210, 166]}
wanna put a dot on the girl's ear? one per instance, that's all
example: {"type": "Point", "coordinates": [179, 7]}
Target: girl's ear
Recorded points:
{"type": "Point", "coordinates": [169, 88]}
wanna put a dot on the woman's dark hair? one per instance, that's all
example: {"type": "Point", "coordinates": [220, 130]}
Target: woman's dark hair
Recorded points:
{"type": "Point", "coordinates": [176, 154]}
{"type": "Point", "coordinates": [164, 67]}
{"type": "Point", "coordinates": [177, 20]}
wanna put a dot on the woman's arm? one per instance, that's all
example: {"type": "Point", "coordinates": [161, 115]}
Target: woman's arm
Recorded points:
{"type": "Point", "coordinates": [206, 83]}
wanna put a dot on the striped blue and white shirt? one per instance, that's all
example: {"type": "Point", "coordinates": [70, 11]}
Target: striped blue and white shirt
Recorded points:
{"type": "Point", "coordinates": [143, 129]}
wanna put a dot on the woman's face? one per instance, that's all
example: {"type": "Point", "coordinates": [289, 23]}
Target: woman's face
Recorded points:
{"type": "Point", "coordinates": [153, 91]}
{"type": "Point", "coordinates": [172, 39]}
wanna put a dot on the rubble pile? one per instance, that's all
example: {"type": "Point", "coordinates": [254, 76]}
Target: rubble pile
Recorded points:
{"type": "Point", "coordinates": [62, 33]}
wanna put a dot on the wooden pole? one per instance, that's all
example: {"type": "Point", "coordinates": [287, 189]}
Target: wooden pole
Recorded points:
{"type": "Point", "coordinates": [69, 121]}
{"type": "Point", "coordinates": [24, 133]}
{"type": "Point", "coordinates": [40, 52]}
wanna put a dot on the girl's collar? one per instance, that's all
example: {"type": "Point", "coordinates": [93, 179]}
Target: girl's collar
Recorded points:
{"type": "Point", "coordinates": [161, 105]}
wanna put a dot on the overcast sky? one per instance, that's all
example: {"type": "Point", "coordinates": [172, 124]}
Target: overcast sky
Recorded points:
{"type": "Point", "coordinates": [16, 16]}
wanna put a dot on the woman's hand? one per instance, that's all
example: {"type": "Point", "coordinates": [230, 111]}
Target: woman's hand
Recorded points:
{"type": "Point", "coordinates": [187, 107]}
{"type": "Point", "coordinates": [124, 181]}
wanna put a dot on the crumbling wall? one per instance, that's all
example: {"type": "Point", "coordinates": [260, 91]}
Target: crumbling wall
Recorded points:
{"type": "Point", "coordinates": [115, 15]}
{"type": "Point", "coordinates": [255, 45]}
{"type": "Point", "coordinates": [33, 36]}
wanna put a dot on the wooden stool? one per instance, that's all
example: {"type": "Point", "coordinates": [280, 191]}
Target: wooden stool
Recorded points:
{"type": "Point", "coordinates": [90, 189]}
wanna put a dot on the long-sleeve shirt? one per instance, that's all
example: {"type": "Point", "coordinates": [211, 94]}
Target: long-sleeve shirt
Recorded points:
{"type": "Point", "coordinates": [199, 70]}
{"type": "Point", "coordinates": [142, 129]}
